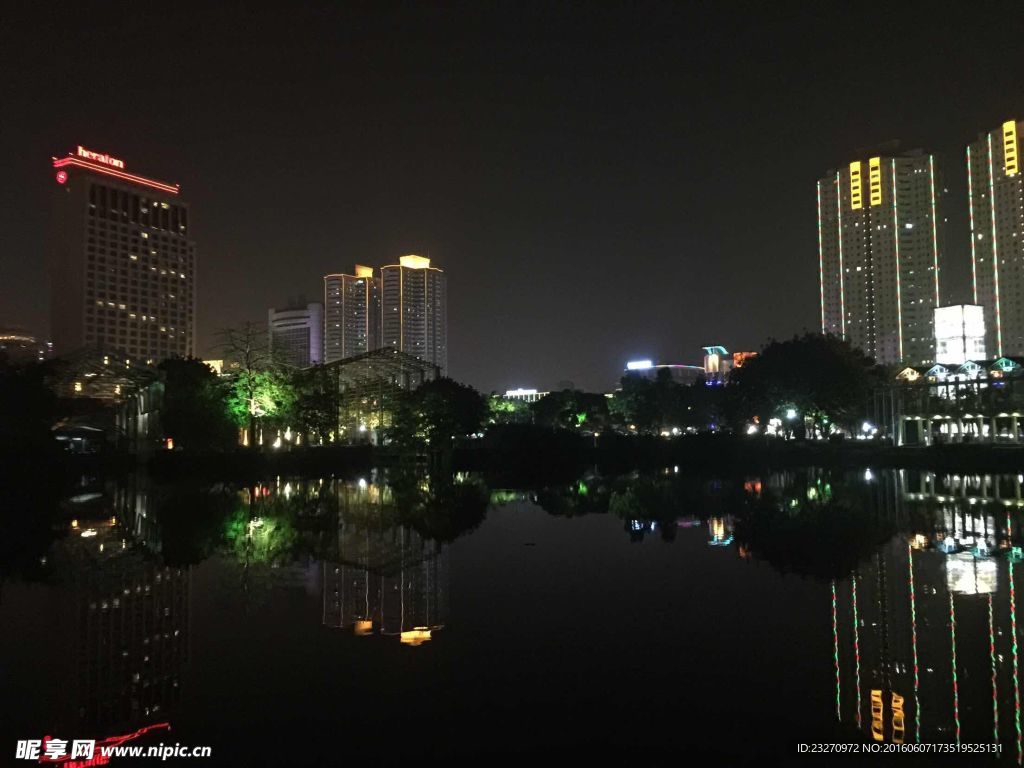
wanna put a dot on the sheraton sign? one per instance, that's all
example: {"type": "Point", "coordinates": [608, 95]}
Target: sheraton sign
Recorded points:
{"type": "Point", "coordinates": [99, 157]}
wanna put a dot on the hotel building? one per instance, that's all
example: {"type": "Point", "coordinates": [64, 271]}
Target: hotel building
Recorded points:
{"type": "Point", "coordinates": [296, 334]}
{"type": "Point", "coordinates": [414, 309]}
{"type": "Point", "coordinates": [880, 238]}
{"type": "Point", "coordinates": [123, 264]}
{"type": "Point", "coordinates": [996, 203]}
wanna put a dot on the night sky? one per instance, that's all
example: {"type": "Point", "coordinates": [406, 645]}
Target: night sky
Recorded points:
{"type": "Point", "coordinates": [600, 182]}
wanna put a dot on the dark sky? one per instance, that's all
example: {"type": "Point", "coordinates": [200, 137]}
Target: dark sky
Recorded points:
{"type": "Point", "coordinates": [600, 181]}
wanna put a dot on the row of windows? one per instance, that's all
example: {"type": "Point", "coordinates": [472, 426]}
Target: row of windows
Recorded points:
{"type": "Point", "coordinates": [117, 205]}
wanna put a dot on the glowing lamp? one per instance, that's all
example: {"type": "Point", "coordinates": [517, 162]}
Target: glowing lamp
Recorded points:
{"type": "Point", "coordinates": [62, 177]}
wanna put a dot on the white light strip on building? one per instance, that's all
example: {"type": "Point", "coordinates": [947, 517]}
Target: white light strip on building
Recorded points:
{"type": "Point", "coordinates": [821, 264]}
{"type": "Point", "coordinates": [995, 249]}
{"type": "Point", "coordinates": [842, 287]}
{"type": "Point", "coordinates": [935, 227]}
{"type": "Point", "coordinates": [970, 208]}
{"type": "Point", "coordinates": [896, 241]}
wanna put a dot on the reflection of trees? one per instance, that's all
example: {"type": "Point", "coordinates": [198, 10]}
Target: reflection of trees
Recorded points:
{"type": "Point", "coordinates": [816, 526]}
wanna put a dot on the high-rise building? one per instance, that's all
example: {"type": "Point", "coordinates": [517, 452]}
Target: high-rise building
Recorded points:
{"type": "Point", "coordinates": [414, 309]}
{"type": "Point", "coordinates": [351, 313]}
{"type": "Point", "coordinates": [880, 238]}
{"type": "Point", "coordinates": [296, 334]}
{"type": "Point", "coordinates": [123, 264]}
{"type": "Point", "coordinates": [996, 203]}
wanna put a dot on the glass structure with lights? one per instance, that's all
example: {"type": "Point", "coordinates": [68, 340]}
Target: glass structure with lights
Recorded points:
{"type": "Point", "coordinates": [123, 263]}
{"type": "Point", "coordinates": [880, 241]}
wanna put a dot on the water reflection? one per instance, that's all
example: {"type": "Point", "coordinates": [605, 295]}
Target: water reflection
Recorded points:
{"type": "Point", "coordinates": [916, 575]}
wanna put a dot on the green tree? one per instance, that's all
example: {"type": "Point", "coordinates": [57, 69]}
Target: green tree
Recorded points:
{"type": "Point", "coordinates": [823, 378]}
{"type": "Point", "coordinates": [317, 402]}
{"type": "Point", "coordinates": [572, 409]}
{"type": "Point", "coordinates": [436, 413]}
{"type": "Point", "coordinates": [260, 390]}
{"type": "Point", "coordinates": [194, 410]}
{"type": "Point", "coordinates": [503, 410]}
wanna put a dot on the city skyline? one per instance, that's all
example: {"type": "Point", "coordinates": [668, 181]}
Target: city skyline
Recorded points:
{"type": "Point", "coordinates": [533, 179]}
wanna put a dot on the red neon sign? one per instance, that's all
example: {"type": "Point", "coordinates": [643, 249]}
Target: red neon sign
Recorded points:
{"type": "Point", "coordinates": [99, 157]}
{"type": "Point", "coordinates": [74, 161]}
{"type": "Point", "coordinates": [62, 177]}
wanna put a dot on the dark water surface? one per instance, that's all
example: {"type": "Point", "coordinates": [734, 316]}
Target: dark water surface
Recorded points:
{"type": "Point", "coordinates": [649, 619]}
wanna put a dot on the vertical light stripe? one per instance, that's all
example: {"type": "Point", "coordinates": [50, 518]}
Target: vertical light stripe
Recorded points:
{"type": "Point", "coordinates": [842, 277]}
{"type": "Point", "coordinates": [896, 242]}
{"type": "Point", "coordinates": [970, 208]}
{"type": "Point", "coordinates": [935, 226]}
{"type": "Point", "coordinates": [821, 264]}
{"type": "Point", "coordinates": [995, 250]}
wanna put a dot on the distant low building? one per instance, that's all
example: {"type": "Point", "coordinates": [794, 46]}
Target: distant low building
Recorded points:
{"type": "Point", "coordinates": [524, 395]}
{"type": "Point", "coordinates": [19, 346]}
{"type": "Point", "coordinates": [719, 364]}
{"type": "Point", "coordinates": [687, 375]}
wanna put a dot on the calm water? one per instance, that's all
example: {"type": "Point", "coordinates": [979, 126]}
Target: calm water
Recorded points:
{"type": "Point", "coordinates": [648, 619]}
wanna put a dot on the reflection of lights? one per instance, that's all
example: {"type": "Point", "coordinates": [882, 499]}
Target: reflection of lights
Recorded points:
{"type": "Point", "coordinates": [968, 575]}
{"type": "Point", "coordinates": [363, 627]}
{"type": "Point", "coordinates": [416, 636]}
{"type": "Point", "coordinates": [868, 476]}
{"type": "Point", "coordinates": [88, 533]}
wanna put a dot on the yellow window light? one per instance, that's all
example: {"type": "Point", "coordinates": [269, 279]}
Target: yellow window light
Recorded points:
{"type": "Point", "coordinates": [856, 186]}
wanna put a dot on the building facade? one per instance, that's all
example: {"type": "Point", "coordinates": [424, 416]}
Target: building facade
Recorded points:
{"type": "Point", "coordinates": [996, 202]}
{"type": "Point", "coordinates": [414, 309]}
{"type": "Point", "coordinates": [296, 334]}
{"type": "Point", "coordinates": [880, 241]}
{"type": "Point", "coordinates": [123, 263]}
{"type": "Point", "coordinates": [351, 313]}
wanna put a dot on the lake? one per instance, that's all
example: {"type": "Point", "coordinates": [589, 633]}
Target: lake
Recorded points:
{"type": "Point", "coordinates": [395, 617]}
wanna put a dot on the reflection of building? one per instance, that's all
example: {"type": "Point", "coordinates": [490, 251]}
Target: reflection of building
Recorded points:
{"type": "Point", "coordinates": [296, 334]}
{"type": "Point", "coordinates": [388, 580]}
{"type": "Point", "coordinates": [924, 631]}
{"type": "Point", "coordinates": [414, 309]}
{"type": "Point", "coordinates": [351, 313]}
{"type": "Point", "coordinates": [124, 264]}
{"type": "Point", "coordinates": [959, 334]}
{"type": "Point", "coordinates": [996, 202]}
{"type": "Point", "coordinates": [879, 240]}
{"type": "Point", "coordinates": [126, 619]}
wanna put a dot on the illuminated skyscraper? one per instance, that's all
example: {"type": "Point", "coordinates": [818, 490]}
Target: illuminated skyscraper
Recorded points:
{"type": "Point", "coordinates": [996, 202]}
{"type": "Point", "coordinates": [123, 265]}
{"type": "Point", "coordinates": [296, 334]}
{"type": "Point", "coordinates": [414, 309]}
{"type": "Point", "coordinates": [880, 237]}
{"type": "Point", "coordinates": [351, 314]}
